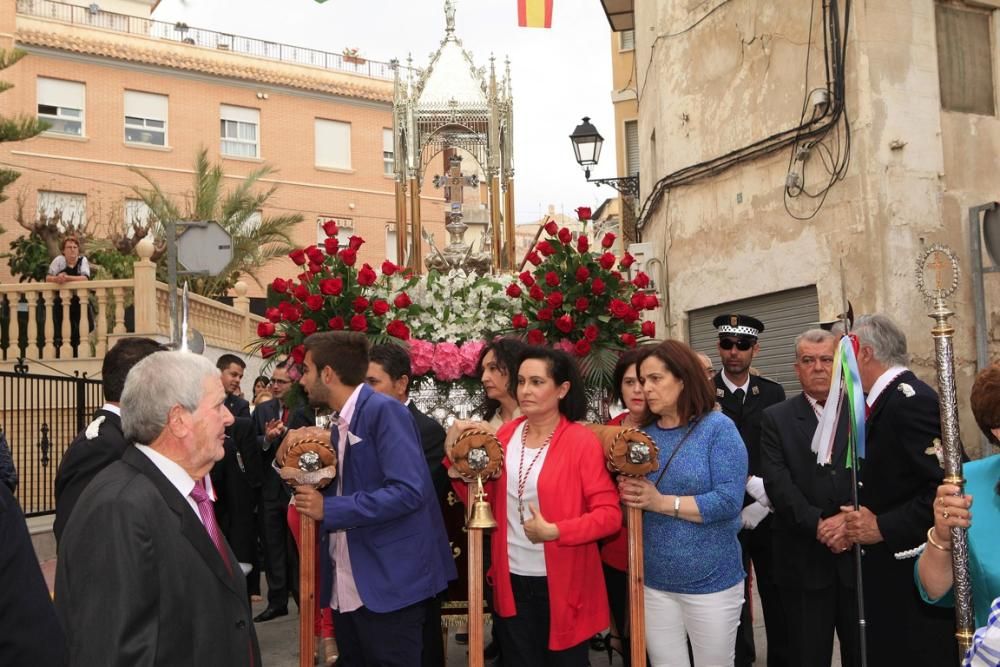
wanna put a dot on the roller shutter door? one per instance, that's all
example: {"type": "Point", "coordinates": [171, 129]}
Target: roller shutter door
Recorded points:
{"type": "Point", "coordinates": [785, 315]}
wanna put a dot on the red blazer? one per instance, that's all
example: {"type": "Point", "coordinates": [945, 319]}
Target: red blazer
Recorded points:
{"type": "Point", "coordinates": [576, 493]}
{"type": "Point", "coordinates": [614, 550]}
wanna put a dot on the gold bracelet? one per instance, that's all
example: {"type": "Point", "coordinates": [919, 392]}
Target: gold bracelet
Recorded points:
{"type": "Point", "coordinates": [930, 540]}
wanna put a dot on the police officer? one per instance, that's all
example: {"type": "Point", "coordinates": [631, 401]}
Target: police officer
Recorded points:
{"type": "Point", "coordinates": [743, 397]}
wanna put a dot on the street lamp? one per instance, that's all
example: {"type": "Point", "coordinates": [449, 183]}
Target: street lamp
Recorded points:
{"type": "Point", "coordinates": [587, 143]}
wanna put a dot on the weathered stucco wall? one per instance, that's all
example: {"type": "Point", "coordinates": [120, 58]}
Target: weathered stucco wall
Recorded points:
{"type": "Point", "coordinates": [736, 77]}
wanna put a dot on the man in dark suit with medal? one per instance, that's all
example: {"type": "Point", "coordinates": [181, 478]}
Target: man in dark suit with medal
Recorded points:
{"type": "Point", "coordinates": [743, 398]}
{"type": "Point", "coordinates": [812, 563]}
{"type": "Point", "coordinates": [898, 480]}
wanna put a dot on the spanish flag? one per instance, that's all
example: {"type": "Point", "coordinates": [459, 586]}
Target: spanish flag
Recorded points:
{"type": "Point", "coordinates": [534, 13]}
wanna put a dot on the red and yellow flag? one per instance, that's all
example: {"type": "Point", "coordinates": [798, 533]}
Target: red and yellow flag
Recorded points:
{"type": "Point", "coordinates": [534, 13]}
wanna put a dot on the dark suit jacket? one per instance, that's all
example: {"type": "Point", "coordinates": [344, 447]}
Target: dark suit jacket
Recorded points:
{"type": "Point", "coordinates": [237, 482]}
{"type": "Point", "coordinates": [395, 533]}
{"type": "Point", "coordinates": [803, 492]}
{"type": "Point", "coordinates": [30, 633]}
{"type": "Point", "coordinates": [139, 581]}
{"type": "Point", "coordinates": [761, 393]}
{"type": "Point", "coordinates": [81, 463]}
{"type": "Point", "coordinates": [432, 438]}
{"type": "Point", "coordinates": [240, 407]}
{"type": "Point", "coordinates": [272, 488]}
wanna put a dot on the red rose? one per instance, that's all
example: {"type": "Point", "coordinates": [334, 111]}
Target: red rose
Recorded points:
{"type": "Point", "coordinates": [536, 293]}
{"type": "Point", "coordinates": [627, 261]}
{"type": "Point", "coordinates": [527, 279]}
{"type": "Point", "coordinates": [565, 235]}
{"type": "Point", "coordinates": [359, 304]}
{"type": "Point", "coordinates": [608, 240]}
{"type": "Point", "coordinates": [273, 314]}
{"type": "Point", "coordinates": [308, 327]}
{"type": "Point", "coordinates": [301, 292]}
{"type": "Point", "coordinates": [590, 332]}
{"type": "Point", "coordinates": [402, 300]}
{"type": "Point", "coordinates": [267, 352]}
{"type": "Point", "coordinates": [582, 244]}
{"type": "Point", "coordinates": [597, 287]}
{"type": "Point", "coordinates": [555, 299]}
{"type": "Point", "coordinates": [331, 286]}
{"type": "Point", "coordinates": [331, 246]}
{"type": "Point", "coordinates": [336, 323]}
{"type": "Point", "coordinates": [552, 279]}
{"type": "Point", "coordinates": [298, 256]}
{"type": "Point", "coordinates": [628, 339]}
{"type": "Point", "coordinates": [551, 228]}
{"type": "Point", "coordinates": [616, 277]}
{"type": "Point", "coordinates": [315, 255]}
{"type": "Point", "coordinates": [279, 285]}
{"type": "Point", "coordinates": [545, 248]}
{"type": "Point", "coordinates": [366, 276]}
{"type": "Point", "coordinates": [631, 316]}
{"type": "Point", "coordinates": [582, 274]}
{"type": "Point", "coordinates": [641, 280]}
{"type": "Point", "coordinates": [292, 314]}
{"type": "Point", "coordinates": [649, 329]}
{"type": "Point", "coordinates": [359, 323]}
{"type": "Point", "coordinates": [544, 315]}
{"type": "Point", "coordinates": [303, 277]}
{"type": "Point", "coordinates": [519, 321]}
{"type": "Point", "coordinates": [582, 347]}
{"type": "Point", "coordinates": [651, 302]}
{"type": "Point", "coordinates": [536, 337]}
{"type": "Point", "coordinates": [348, 256]}
{"type": "Point", "coordinates": [330, 228]}
{"type": "Point", "coordinates": [355, 242]}
{"type": "Point", "coordinates": [314, 268]}
{"type": "Point", "coordinates": [582, 304]}
{"type": "Point", "coordinates": [388, 268]}
{"type": "Point", "coordinates": [265, 329]}
{"type": "Point", "coordinates": [513, 291]}
{"type": "Point", "coordinates": [607, 260]}
{"type": "Point", "coordinates": [534, 258]}
{"type": "Point", "coordinates": [314, 302]}
{"type": "Point", "coordinates": [638, 300]}
{"type": "Point", "coordinates": [565, 324]}
{"type": "Point", "coordinates": [583, 213]}
{"type": "Point", "coordinates": [380, 307]}
{"type": "Point", "coordinates": [618, 308]}
{"type": "Point", "coordinates": [397, 329]}
{"type": "Point", "coordinates": [299, 354]}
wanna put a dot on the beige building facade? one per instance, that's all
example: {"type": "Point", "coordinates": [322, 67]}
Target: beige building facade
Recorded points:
{"type": "Point", "coordinates": [729, 223]}
{"type": "Point", "coordinates": [124, 91]}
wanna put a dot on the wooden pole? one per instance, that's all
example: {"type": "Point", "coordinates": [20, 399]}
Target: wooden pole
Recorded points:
{"type": "Point", "coordinates": [401, 240]}
{"type": "Point", "coordinates": [417, 249]}
{"type": "Point", "coordinates": [508, 221]}
{"type": "Point", "coordinates": [636, 581]}
{"type": "Point", "coordinates": [307, 591]}
{"type": "Point", "coordinates": [475, 562]}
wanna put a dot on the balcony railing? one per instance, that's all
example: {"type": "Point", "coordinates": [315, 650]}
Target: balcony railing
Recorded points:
{"type": "Point", "coordinates": [182, 33]}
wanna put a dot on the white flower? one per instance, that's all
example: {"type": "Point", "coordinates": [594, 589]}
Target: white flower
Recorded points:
{"type": "Point", "coordinates": [906, 389]}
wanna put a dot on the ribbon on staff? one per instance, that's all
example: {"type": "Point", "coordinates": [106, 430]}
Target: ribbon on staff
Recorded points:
{"type": "Point", "coordinates": [845, 389]}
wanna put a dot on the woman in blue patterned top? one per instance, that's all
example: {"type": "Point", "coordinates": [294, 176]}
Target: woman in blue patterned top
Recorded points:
{"type": "Point", "coordinates": [693, 569]}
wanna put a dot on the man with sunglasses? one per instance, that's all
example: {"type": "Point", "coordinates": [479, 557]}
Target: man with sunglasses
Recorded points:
{"type": "Point", "coordinates": [743, 396]}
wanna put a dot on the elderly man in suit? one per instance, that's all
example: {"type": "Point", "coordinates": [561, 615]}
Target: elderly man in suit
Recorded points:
{"type": "Point", "coordinates": [145, 576]}
{"type": "Point", "coordinates": [813, 566]}
{"type": "Point", "coordinates": [384, 546]}
{"type": "Point", "coordinates": [102, 442]}
{"type": "Point", "coordinates": [897, 484]}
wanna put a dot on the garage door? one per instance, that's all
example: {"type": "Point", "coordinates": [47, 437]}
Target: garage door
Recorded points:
{"type": "Point", "coordinates": [785, 315]}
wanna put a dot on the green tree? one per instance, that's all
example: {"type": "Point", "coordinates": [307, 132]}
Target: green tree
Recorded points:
{"type": "Point", "coordinates": [256, 238]}
{"type": "Point", "coordinates": [14, 128]}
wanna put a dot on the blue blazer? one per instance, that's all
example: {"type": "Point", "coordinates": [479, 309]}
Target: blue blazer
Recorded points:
{"type": "Point", "coordinates": [395, 532]}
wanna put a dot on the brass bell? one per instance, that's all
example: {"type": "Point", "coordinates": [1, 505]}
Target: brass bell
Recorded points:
{"type": "Point", "coordinates": [481, 516]}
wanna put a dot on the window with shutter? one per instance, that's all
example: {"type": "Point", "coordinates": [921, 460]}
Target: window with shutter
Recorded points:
{"type": "Point", "coordinates": [627, 38]}
{"type": "Point", "coordinates": [145, 118]}
{"type": "Point", "coordinates": [333, 144]}
{"type": "Point", "coordinates": [965, 61]}
{"type": "Point", "coordinates": [239, 130]}
{"type": "Point", "coordinates": [61, 105]}
{"type": "Point", "coordinates": [631, 147]}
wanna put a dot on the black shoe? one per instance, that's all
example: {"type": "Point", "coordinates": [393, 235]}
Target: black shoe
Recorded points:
{"type": "Point", "coordinates": [270, 613]}
{"type": "Point", "coordinates": [462, 638]}
{"type": "Point", "coordinates": [491, 651]}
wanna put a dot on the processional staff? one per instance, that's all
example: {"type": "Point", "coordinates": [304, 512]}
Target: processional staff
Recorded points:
{"type": "Point", "coordinates": [941, 259]}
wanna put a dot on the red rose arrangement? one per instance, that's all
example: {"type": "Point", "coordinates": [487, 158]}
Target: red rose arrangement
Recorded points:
{"type": "Point", "coordinates": [582, 300]}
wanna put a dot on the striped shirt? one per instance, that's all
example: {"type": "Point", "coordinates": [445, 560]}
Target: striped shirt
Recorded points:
{"type": "Point", "coordinates": [985, 649]}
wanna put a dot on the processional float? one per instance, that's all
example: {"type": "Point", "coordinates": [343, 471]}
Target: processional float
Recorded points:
{"type": "Point", "coordinates": [941, 260]}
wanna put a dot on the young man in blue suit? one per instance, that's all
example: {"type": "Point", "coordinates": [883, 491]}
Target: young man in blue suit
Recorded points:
{"type": "Point", "coordinates": [385, 553]}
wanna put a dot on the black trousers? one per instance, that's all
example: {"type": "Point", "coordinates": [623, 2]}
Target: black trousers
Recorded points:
{"type": "Point", "coordinates": [432, 654]}
{"type": "Point", "coordinates": [812, 616]}
{"type": "Point", "coordinates": [280, 555]}
{"type": "Point", "coordinates": [756, 545]}
{"type": "Point", "coordinates": [524, 638]}
{"type": "Point", "coordinates": [370, 639]}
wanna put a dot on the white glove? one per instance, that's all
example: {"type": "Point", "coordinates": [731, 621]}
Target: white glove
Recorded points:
{"type": "Point", "coordinates": [753, 514]}
{"type": "Point", "coordinates": [755, 487]}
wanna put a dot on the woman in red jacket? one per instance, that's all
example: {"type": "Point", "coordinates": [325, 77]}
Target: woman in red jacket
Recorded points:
{"type": "Point", "coordinates": [553, 501]}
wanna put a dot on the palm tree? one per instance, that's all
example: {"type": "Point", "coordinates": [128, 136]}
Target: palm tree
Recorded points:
{"type": "Point", "coordinates": [256, 239]}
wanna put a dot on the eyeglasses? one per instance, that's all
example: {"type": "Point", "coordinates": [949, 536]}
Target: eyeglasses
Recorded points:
{"type": "Point", "coordinates": [281, 382]}
{"type": "Point", "coordinates": [742, 344]}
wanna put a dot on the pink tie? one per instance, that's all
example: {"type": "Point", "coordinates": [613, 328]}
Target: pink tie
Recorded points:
{"type": "Point", "coordinates": [208, 518]}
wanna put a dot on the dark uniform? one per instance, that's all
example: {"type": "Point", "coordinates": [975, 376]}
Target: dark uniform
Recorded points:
{"type": "Point", "coordinates": [760, 393]}
{"type": "Point", "coordinates": [240, 407]}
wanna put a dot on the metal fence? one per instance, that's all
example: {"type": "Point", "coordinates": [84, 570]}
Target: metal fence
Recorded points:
{"type": "Point", "coordinates": [181, 32]}
{"type": "Point", "coordinates": [40, 415]}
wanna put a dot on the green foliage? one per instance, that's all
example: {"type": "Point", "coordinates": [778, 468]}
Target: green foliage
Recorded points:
{"type": "Point", "coordinates": [110, 265]}
{"type": "Point", "coordinates": [28, 259]}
